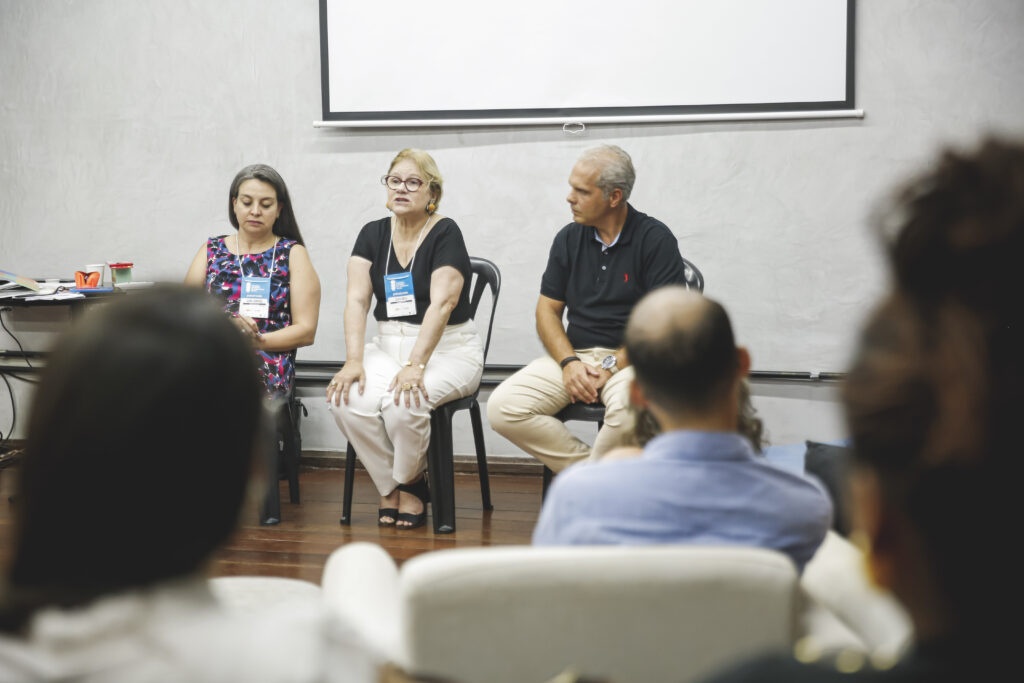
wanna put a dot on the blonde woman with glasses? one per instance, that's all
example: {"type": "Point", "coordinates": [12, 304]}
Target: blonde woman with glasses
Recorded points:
{"type": "Point", "coordinates": [414, 266]}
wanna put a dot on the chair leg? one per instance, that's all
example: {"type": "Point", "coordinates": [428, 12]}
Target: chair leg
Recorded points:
{"type": "Point", "coordinates": [548, 476]}
{"type": "Point", "coordinates": [270, 511]}
{"type": "Point", "coordinates": [293, 451]}
{"type": "Point", "coordinates": [350, 477]}
{"type": "Point", "coordinates": [292, 465]}
{"type": "Point", "coordinates": [481, 456]}
{"type": "Point", "coordinates": [442, 471]}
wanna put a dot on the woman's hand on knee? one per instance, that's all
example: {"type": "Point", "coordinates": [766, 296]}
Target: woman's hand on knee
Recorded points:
{"type": "Point", "coordinates": [408, 385]}
{"type": "Point", "coordinates": [351, 373]}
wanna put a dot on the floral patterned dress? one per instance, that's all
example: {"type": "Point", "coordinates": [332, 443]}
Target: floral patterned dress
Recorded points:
{"type": "Point", "coordinates": [223, 278]}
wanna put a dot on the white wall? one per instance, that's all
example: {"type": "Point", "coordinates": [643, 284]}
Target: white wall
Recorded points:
{"type": "Point", "coordinates": [122, 124]}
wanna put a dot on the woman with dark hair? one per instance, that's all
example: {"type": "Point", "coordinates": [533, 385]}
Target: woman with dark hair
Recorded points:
{"type": "Point", "coordinates": [264, 274]}
{"type": "Point", "coordinates": [114, 523]}
{"type": "Point", "coordinates": [933, 404]}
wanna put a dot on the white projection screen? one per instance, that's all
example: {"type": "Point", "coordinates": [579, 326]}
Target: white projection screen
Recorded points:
{"type": "Point", "coordinates": [408, 60]}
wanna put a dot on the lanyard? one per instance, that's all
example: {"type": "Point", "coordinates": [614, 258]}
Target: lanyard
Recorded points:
{"type": "Point", "coordinates": [273, 257]}
{"type": "Point", "coordinates": [391, 240]}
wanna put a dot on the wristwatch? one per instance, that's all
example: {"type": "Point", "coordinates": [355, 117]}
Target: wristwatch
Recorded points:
{"type": "Point", "coordinates": [610, 363]}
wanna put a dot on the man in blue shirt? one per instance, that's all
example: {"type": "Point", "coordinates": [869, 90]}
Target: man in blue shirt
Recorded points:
{"type": "Point", "coordinates": [699, 482]}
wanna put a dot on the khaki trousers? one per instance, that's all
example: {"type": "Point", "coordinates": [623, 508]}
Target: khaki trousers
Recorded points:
{"type": "Point", "coordinates": [522, 408]}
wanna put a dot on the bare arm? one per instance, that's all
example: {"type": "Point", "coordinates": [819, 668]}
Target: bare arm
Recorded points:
{"type": "Point", "coordinates": [359, 293]}
{"type": "Point", "coordinates": [549, 328]}
{"type": "Point", "coordinates": [445, 288]}
{"type": "Point", "coordinates": [580, 379]}
{"type": "Point", "coordinates": [553, 336]}
{"type": "Point", "coordinates": [196, 275]}
{"type": "Point", "coordinates": [304, 300]}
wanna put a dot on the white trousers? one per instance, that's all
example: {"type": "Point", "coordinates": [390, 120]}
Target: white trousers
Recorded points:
{"type": "Point", "coordinates": [391, 441]}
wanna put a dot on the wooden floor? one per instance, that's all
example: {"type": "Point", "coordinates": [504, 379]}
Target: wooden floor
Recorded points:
{"type": "Point", "coordinates": [298, 547]}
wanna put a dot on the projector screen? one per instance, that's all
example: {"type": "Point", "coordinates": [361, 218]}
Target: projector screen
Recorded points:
{"type": "Point", "coordinates": [404, 60]}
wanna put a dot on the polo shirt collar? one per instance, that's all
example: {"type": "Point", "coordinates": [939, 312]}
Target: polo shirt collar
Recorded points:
{"type": "Point", "coordinates": [605, 247]}
{"type": "Point", "coordinates": [699, 446]}
{"type": "Point", "coordinates": [626, 234]}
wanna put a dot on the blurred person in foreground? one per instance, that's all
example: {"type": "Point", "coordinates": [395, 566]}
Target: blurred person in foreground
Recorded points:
{"type": "Point", "coordinates": [125, 494]}
{"type": "Point", "coordinates": [933, 404]}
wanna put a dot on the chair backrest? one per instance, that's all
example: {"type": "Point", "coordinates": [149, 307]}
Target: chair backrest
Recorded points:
{"type": "Point", "coordinates": [485, 274]}
{"type": "Point", "coordinates": [694, 278]}
{"type": "Point", "coordinates": [654, 613]}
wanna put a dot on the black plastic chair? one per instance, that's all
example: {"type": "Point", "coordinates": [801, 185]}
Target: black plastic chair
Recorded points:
{"type": "Point", "coordinates": [694, 278]}
{"type": "Point", "coordinates": [584, 412]}
{"type": "Point", "coordinates": [285, 450]}
{"type": "Point", "coordinates": [440, 455]}
{"type": "Point", "coordinates": [594, 412]}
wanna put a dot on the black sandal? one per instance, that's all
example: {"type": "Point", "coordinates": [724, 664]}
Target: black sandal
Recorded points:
{"type": "Point", "coordinates": [422, 491]}
{"type": "Point", "coordinates": [387, 512]}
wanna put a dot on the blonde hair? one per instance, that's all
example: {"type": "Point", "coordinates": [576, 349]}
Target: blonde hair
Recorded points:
{"type": "Point", "coordinates": [427, 166]}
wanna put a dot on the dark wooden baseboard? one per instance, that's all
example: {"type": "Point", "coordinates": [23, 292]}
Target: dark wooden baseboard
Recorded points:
{"type": "Point", "coordinates": [464, 464]}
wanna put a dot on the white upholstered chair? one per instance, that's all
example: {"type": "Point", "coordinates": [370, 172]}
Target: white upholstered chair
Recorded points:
{"type": "Point", "coordinates": [648, 613]}
{"type": "Point", "coordinates": [526, 614]}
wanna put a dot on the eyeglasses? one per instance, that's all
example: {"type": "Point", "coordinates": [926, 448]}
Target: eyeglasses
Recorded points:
{"type": "Point", "coordinates": [393, 182]}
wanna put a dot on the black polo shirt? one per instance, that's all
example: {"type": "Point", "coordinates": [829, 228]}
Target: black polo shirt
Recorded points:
{"type": "Point", "coordinates": [600, 286]}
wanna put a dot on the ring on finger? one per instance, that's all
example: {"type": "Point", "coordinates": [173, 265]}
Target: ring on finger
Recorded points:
{"type": "Point", "coordinates": [406, 387]}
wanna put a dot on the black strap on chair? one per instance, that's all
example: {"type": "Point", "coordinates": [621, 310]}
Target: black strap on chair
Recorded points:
{"type": "Point", "coordinates": [440, 455]}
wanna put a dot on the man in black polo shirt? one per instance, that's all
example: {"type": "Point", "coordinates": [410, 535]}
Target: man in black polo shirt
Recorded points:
{"type": "Point", "coordinates": [599, 266]}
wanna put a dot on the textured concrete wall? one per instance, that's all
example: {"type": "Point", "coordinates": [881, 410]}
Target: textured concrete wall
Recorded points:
{"type": "Point", "coordinates": [122, 124]}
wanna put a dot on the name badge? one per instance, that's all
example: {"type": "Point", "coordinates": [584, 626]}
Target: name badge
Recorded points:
{"type": "Point", "coordinates": [254, 300]}
{"type": "Point", "coordinates": [399, 296]}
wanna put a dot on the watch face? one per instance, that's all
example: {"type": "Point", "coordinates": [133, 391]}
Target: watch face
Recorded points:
{"type": "Point", "coordinates": [608, 363]}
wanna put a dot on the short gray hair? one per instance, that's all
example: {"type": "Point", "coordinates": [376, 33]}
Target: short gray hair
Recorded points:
{"type": "Point", "coordinates": [616, 171]}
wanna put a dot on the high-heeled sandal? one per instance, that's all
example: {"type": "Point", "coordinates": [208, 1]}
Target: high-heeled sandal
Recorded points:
{"type": "Point", "coordinates": [387, 512]}
{"type": "Point", "coordinates": [422, 491]}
